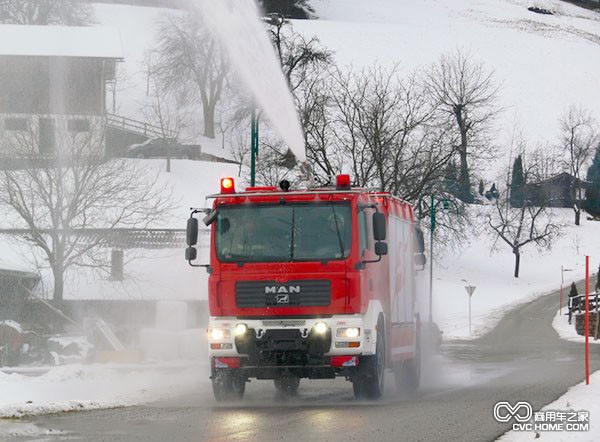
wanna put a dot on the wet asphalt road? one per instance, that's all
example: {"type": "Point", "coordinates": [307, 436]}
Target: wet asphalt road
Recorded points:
{"type": "Point", "coordinates": [522, 359]}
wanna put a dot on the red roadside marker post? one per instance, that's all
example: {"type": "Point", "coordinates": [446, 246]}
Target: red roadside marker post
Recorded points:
{"type": "Point", "coordinates": [587, 320]}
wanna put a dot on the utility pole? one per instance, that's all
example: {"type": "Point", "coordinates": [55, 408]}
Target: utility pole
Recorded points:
{"type": "Point", "coordinates": [433, 207]}
{"type": "Point", "coordinates": [253, 145]}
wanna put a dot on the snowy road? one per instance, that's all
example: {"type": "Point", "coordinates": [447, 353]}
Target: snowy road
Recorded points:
{"type": "Point", "coordinates": [522, 359]}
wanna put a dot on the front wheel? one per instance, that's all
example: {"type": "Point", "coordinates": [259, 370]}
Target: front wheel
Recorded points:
{"type": "Point", "coordinates": [369, 382]}
{"type": "Point", "coordinates": [227, 385]}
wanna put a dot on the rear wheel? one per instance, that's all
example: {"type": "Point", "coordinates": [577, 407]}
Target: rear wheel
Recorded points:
{"type": "Point", "coordinates": [369, 382]}
{"type": "Point", "coordinates": [287, 386]}
{"type": "Point", "coordinates": [228, 385]}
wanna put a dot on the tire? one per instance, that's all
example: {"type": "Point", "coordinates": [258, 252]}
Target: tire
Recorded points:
{"type": "Point", "coordinates": [369, 382]}
{"type": "Point", "coordinates": [287, 386]}
{"type": "Point", "coordinates": [227, 385]}
{"type": "Point", "coordinates": [186, 156]}
{"type": "Point", "coordinates": [408, 374]}
{"type": "Point", "coordinates": [141, 156]}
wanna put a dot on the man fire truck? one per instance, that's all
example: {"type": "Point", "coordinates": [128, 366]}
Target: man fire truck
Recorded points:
{"type": "Point", "coordinates": [311, 284]}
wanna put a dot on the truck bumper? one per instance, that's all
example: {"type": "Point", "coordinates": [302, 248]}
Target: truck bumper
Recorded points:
{"type": "Point", "coordinates": [267, 348]}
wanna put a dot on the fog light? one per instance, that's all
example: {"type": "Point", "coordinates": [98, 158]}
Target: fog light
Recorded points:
{"type": "Point", "coordinates": [349, 332]}
{"type": "Point", "coordinates": [320, 328]}
{"type": "Point", "coordinates": [241, 329]}
{"type": "Point", "coordinates": [217, 334]}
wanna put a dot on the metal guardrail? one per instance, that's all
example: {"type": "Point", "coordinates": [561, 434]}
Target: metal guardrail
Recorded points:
{"type": "Point", "coordinates": [577, 303]}
{"type": "Point", "coordinates": [137, 127]}
{"type": "Point", "coordinates": [125, 238]}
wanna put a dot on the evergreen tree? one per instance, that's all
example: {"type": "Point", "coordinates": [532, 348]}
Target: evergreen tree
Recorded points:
{"type": "Point", "coordinates": [573, 300]}
{"type": "Point", "coordinates": [492, 193]}
{"type": "Point", "coordinates": [481, 187]}
{"type": "Point", "coordinates": [592, 193]}
{"type": "Point", "coordinates": [517, 184]}
{"type": "Point", "coordinates": [287, 8]}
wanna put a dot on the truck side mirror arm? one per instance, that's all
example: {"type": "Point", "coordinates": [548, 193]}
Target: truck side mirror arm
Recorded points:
{"type": "Point", "coordinates": [381, 249]}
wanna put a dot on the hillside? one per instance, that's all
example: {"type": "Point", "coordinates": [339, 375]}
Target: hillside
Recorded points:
{"type": "Point", "coordinates": [544, 62]}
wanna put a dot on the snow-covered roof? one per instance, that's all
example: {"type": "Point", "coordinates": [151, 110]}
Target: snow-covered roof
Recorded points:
{"type": "Point", "coordinates": [61, 41]}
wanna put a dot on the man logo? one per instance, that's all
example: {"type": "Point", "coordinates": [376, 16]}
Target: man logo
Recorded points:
{"type": "Point", "coordinates": [283, 299]}
{"type": "Point", "coordinates": [521, 411]}
{"type": "Point", "coordinates": [282, 289]}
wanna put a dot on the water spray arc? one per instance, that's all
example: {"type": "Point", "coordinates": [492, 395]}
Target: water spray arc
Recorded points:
{"type": "Point", "coordinates": [237, 26]}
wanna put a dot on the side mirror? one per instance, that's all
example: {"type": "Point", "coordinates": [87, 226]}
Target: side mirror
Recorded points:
{"type": "Point", "coordinates": [379, 226]}
{"type": "Point", "coordinates": [191, 253]}
{"type": "Point", "coordinates": [192, 231]}
{"type": "Point", "coordinates": [420, 260]}
{"type": "Point", "coordinates": [210, 218]}
{"type": "Point", "coordinates": [381, 248]}
{"type": "Point", "coordinates": [420, 241]}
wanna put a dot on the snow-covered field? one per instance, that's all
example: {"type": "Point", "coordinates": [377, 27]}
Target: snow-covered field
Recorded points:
{"type": "Point", "coordinates": [491, 273]}
{"type": "Point", "coordinates": [544, 63]}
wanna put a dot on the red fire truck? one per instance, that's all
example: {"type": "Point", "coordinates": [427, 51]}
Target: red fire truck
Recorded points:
{"type": "Point", "coordinates": [311, 284]}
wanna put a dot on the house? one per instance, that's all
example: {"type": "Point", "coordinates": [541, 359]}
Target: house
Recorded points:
{"type": "Point", "coordinates": [53, 82]}
{"type": "Point", "coordinates": [15, 289]}
{"type": "Point", "coordinates": [554, 191]}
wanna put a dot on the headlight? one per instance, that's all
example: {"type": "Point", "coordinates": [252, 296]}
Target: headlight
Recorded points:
{"type": "Point", "coordinates": [217, 334]}
{"type": "Point", "coordinates": [241, 329]}
{"type": "Point", "coordinates": [320, 328]}
{"type": "Point", "coordinates": [348, 332]}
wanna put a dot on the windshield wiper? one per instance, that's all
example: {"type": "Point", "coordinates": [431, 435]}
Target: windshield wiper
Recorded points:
{"type": "Point", "coordinates": [337, 229]}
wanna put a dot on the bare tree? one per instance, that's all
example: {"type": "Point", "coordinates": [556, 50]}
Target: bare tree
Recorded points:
{"type": "Point", "coordinates": [190, 63]}
{"type": "Point", "coordinates": [56, 199]}
{"type": "Point", "coordinates": [315, 103]}
{"type": "Point", "coordinates": [387, 126]}
{"type": "Point", "coordinates": [297, 54]}
{"type": "Point", "coordinates": [288, 8]}
{"type": "Point", "coordinates": [165, 113]}
{"type": "Point", "coordinates": [519, 226]}
{"type": "Point", "coordinates": [466, 92]}
{"type": "Point", "coordinates": [46, 12]}
{"type": "Point", "coordinates": [578, 139]}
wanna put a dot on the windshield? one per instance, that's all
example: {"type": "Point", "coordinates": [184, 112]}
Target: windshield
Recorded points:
{"type": "Point", "coordinates": [290, 232]}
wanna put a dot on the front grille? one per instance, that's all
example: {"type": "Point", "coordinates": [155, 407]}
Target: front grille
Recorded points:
{"type": "Point", "coordinates": [283, 347]}
{"type": "Point", "coordinates": [302, 293]}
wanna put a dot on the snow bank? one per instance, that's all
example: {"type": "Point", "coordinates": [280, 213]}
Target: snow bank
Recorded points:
{"type": "Point", "coordinates": [567, 331]}
{"type": "Point", "coordinates": [84, 387]}
{"type": "Point", "coordinates": [580, 397]}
